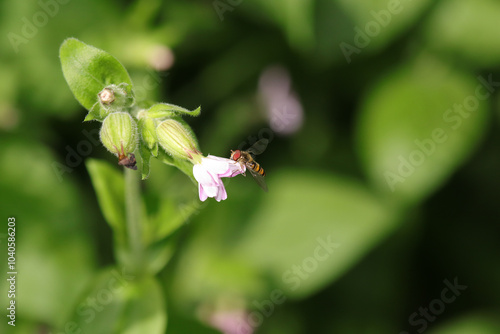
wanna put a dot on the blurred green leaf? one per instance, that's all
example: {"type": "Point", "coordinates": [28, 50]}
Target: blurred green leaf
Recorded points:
{"type": "Point", "coordinates": [294, 17]}
{"type": "Point", "coordinates": [158, 254]}
{"type": "Point", "coordinates": [171, 216]}
{"type": "Point", "coordinates": [316, 222]}
{"type": "Point", "coordinates": [109, 187]}
{"type": "Point", "coordinates": [145, 309]}
{"type": "Point", "coordinates": [303, 211]}
{"type": "Point", "coordinates": [208, 272]}
{"type": "Point", "coordinates": [118, 302]}
{"type": "Point", "coordinates": [207, 268]}
{"type": "Point", "coordinates": [9, 116]}
{"type": "Point", "coordinates": [472, 35]}
{"type": "Point", "coordinates": [159, 232]}
{"type": "Point", "coordinates": [470, 323]}
{"type": "Point", "coordinates": [418, 125]}
{"type": "Point", "coordinates": [54, 249]}
{"type": "Point", "coordinates": [88, 70]}
{"type": "Point", "coordinates": [55, 273]}
{"type": "Point", "coordinates": [378, 22]}
{"type": "Point", "coordinates": [22, 326]}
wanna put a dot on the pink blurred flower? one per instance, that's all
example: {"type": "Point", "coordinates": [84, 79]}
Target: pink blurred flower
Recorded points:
{"type": "Point", "coordinates": [209, 172]}
{"type": "Point", "coordinates": [231, 322]}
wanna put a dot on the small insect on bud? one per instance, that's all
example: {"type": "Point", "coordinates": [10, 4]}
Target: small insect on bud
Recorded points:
{"type": "Point", "coordinates": [106, 96]}
{"type": "Point", "coordinates": [119, 136]}
{"type": "Point", "coordinates": [128, 162]}
{"type": "Point", "coordinates": [177, 139]}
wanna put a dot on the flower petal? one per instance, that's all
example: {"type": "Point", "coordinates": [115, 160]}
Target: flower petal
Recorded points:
{"type": "Point", "coordinates": [237, 168]}
{"type": "Point", "coordinates": [214, 157]}
{"type": "Point", "coordinates": [215, 166]}
{"type": "Point", "coordinates": [202, 193]}
{"type": "Point", "coordinates": [203, 176]}
{"type": "Point", "coordinates": [222, 194]}
{"type": "Point", "coordinates": [211, 191]}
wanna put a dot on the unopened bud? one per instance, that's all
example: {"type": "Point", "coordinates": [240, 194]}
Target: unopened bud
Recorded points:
{"type": "Point", "coordinates": [147, 129]}
{"type": "Point", "coordinates": [177, 139]}
{"type": "Point", "coordinates": [106, 96]}
{"type": "Point", "coordinates": [115, 98]}
{"type": "Point", "coordinates": [119, 136]}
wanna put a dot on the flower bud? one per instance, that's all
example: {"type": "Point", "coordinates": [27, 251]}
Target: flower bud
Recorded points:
{"type": "Point", "coordinates": [177, 139]}
{"type": "Point", "coordinates": [147, 129]}
{"type": "Point", "coordinates": [107, 96]}
{"type": "Point", "coordinates": [115, 98]}
{"type": "Point", "coordinates": [119, 136]}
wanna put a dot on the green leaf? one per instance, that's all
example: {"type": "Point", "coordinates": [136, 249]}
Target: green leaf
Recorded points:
{"type": "Point", "coordinates": [473, 33]}
{"type": "Point", "coordinates": [160, 235]}
{"type": "Point", "coordinates": [418, 125]}
{"type": "Point", "coordinates": [166, 110]}
{"type": "Point", "coordinates": [158, 255]}
{"type": "Point", "coordinates": [98, 113]}
{"type": "Point", "coordinates": [125, 304]}
{"type": "Point", "coordinates": [145, 309]}
{"type": "Point", "coordinates": [94, 113]}
{"type": "Point", "coordinates": [88, 70]}
{"type": "Point", "coordinates": [208, 270]}
{"type": "Point", "coordinates": [471, 323]}
{"type": "Point", "coordinates": [109, 186]}
{"type": "Point", "coordinates": [322, 224]}
{"type": "Point", "coordinates": [171, 216]}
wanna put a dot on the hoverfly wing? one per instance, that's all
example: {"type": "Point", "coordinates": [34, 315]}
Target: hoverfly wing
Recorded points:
{"type": "Point", "coordinates": [258, 147]}
{"type": "Point", "coordinates": [259, 179]}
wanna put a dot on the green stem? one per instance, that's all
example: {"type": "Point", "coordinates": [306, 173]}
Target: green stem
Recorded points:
{"type": "Point", "coordinates": [133, 214]}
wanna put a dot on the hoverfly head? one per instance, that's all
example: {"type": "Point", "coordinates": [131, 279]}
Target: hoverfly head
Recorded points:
{"type": "Point", "coordinates": [235, 155]}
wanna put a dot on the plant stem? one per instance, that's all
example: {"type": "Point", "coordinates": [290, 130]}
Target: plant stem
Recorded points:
{"type": "Point", "coordinates": [133, 215]}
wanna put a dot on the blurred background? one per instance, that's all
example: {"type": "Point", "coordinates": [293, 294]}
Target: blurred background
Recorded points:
{"type": "Point", "coordinates": [383, 124]}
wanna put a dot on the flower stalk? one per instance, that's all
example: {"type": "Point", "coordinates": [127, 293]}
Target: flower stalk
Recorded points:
{"type": "Point", "coordinates": [133, 218]}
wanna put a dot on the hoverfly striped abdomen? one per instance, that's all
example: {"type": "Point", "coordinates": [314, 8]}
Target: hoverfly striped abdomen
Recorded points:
{"type": "Point", "coordinates": [257, 168]}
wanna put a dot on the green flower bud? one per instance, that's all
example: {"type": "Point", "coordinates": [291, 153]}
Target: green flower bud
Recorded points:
{"type": "Point", "coordinates": [119, 136]}
{"type": "Point", "coordinates": [147, 129]}
{"type": "Point", "coordinates": [177, 139]}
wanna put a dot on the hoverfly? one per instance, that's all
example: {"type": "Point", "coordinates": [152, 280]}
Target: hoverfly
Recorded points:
{"type": "Point", "coordinates": [247, 158]}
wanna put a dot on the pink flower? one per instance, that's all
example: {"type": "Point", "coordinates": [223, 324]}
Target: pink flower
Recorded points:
{"type": "Point", "coordinates": [209, 172]}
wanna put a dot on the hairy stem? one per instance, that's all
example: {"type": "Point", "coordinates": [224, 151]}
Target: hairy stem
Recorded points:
{"type": "Point", "coordinates": [133, 215]}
